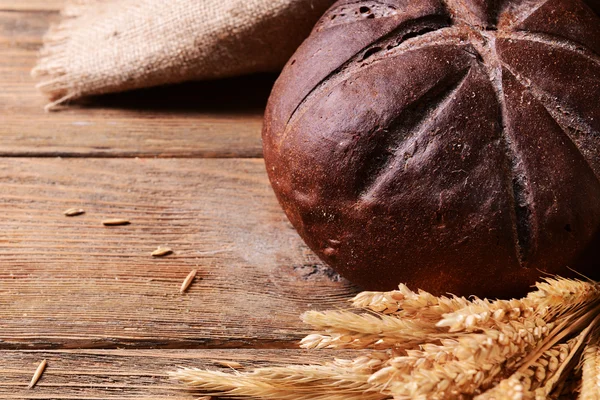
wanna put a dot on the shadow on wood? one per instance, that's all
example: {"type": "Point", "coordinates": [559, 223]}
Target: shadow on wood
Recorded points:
{"type": "Point", "coordinates": [243, 95]}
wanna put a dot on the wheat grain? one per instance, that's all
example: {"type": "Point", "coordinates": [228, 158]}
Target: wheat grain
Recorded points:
{"type": "Point", "coordinates": [548, 371]}
{"type": "Point", "coordinates": [38, 374]}
{"type": "Point", "coordinates": [229, 364]}
{"type": "Point", "coordinates": [72, 212]}
{"type": "Point", "coordinates": [462, 365]}
{"type": "Point", "coordinates": [590, 387]}
{"type": "Point", "coordinates": [546, 367]}
{"type": "Point", "coordinates": [427, 356]}
{"type": "Point", "coordinates": [448, 380]}
{"type": "Point", "coordinates": [161, 251]}
{"type": "Point", "coordinates": [188, 281]}
{"type": "Point", "coordinates": [506, 341]}
{"type": "Point", "coordinates": [579, 319]}
{"type": "Point", "coordinates": [515, 387]}
{"type": "Point", "coordinates": [115, 222]}
{"type": "Point", "coordinates": [550, 383]}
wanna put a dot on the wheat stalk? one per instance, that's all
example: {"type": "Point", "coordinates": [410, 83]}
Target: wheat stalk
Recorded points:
{"type": "Point", "coordinates": [345, 341]}
{"type": "Point", "coordinates": [408, 304]}
{"type": "Point", "coordinates": [484, 313]}
{"type": "Point", "coordinates": [349, 330]}
{"type": "Point", "coordinates": [294, 382]}
{"type": "Point", "coordinates": [559, 296]}
{"type": "Point", "coordinates": [428, 347]}
{"type": "Point", "coordinates": [555, 296]}
{"type": "Point", "coordinates": [475, 360]}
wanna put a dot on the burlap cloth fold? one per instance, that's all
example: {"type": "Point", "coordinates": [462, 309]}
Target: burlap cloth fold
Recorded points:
{"type": "Point", "coordinates": [103, 46]}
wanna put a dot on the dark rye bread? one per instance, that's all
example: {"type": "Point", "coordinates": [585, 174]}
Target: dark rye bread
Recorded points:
{"type": "Point", "coordinates": [453, 145]}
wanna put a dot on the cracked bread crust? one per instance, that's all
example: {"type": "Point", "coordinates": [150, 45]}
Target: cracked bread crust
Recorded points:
{"type": "Point", "coordinates": [451, 145]}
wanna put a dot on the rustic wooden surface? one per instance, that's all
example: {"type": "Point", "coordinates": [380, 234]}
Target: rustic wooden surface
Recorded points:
{"type": "Point", "coordinates": [70, 281]}
{"type": "Point", "coordinates": [91, 299]}
{"type": "Point", "coordinates": [125, 374]}
{"type": "Point", "coordinates": [201, 119]}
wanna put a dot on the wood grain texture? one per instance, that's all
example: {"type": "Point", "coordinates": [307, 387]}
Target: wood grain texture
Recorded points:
{"type": "Point", "coordinates": [127, 374]}
{"type": "Point", "coordinates": [72, 282]}
{"type": "Point", "coordinates": [24, 29]}
{"type": "Point", "coordinates": [201, 119]}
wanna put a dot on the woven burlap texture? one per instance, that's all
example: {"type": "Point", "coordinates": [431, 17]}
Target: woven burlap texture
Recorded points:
{"type": "Point", "coordinates": [104, 46]}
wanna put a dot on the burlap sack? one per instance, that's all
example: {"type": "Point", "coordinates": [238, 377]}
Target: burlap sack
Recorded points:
{"type": "Point", "coordinates": [104, 46]}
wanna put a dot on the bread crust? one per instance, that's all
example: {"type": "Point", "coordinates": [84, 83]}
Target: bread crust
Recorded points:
{"type": "Point", "coordinates": [451, 145]}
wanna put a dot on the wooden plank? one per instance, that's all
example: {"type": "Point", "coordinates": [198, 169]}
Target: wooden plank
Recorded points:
{"type": "Point", "coordinates": [24, 29]}
{"type": "Point", "coordinates": [126, 374]}
{"type": "Point", "coordinates": [31, 5]}
{"type": "Point", "coordinates": [71, 282]}
{"type": "Point", "coordinates": [201, 119]}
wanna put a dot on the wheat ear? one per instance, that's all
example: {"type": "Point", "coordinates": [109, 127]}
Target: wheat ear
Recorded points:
{"type": "Point", "coordinates": [484, 313]}
{"type": "Point", "coordinates": [295, 382]}
{"type": "Point", "coordinates": [540, 378]}
{"type": "Point", "coordinates": [590, 368]}
{"type": "Point", "coordinates": [553, 297]}
{"type": "Point", "coordinates": [515, 387]}
{"type": "Point", "coordinates": [436, 348]}
{"type": "Point", "coordinates": [408, 304]}
{"type": "Point", "coordinates": [559, 296]}
{"type": "Point", "coordinates": [476, 359]}
{"type": "Point", "coordinates": [346, 329]}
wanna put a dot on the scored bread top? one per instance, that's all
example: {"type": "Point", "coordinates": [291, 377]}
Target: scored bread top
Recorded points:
{"type": "Point", "coordinates": [453, 145]}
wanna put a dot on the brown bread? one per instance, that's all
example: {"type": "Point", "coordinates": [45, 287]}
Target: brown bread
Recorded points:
{"type": "Point", "coordinates": [453, 145]}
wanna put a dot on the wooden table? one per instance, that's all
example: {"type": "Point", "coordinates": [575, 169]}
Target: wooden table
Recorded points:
{"type": "Point", "coordinates": [184, 165]}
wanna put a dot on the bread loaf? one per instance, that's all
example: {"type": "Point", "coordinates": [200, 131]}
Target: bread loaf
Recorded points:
{"type": "Point", "coordinates": [453, 145]}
